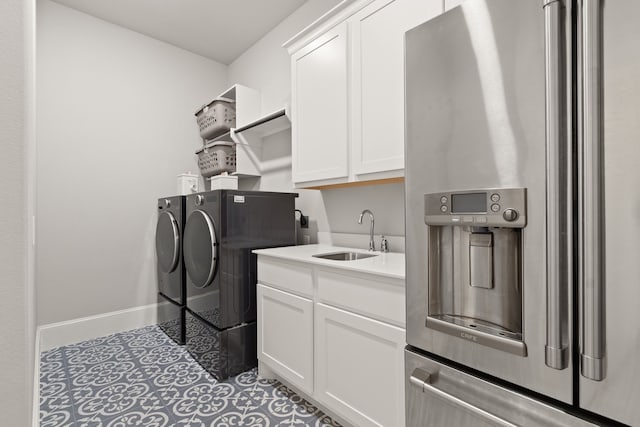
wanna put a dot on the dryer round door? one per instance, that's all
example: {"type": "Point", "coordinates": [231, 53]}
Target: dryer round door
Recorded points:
{"type": "Point", "coordinates": [200, 248]}
{"type": "Point", "coordinates": [167, 242]}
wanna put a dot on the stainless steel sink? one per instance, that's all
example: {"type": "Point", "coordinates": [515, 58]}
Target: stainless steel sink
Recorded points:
{"type": "Point", "coordinates": [345, 256]}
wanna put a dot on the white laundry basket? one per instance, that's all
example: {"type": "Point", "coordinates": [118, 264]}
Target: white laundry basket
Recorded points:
{"type": "Point", "coordinates": [217, 157]}
{"type": "Point", "coordinates": [216, 118]}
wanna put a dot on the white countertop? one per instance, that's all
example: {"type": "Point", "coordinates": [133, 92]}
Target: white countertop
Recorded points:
{"type": "Point", "coordinates": [390, 264]}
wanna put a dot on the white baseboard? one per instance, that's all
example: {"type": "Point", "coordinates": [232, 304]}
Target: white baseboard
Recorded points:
{"type": "Point", "coordinates": [72, 331]}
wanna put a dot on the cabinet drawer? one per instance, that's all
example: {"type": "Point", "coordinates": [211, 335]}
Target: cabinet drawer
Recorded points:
{"type": "Point", "coordinates": [285, 335]}
{"type": "Point", "coordinates": [288, 276]}
{"type": "Point", "coordinates": [382, 299]}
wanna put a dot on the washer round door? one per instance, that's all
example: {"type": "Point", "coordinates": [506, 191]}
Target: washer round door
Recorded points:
{"type": "Point", "coordinates": [200, 249]}
{"type": "Point", "coordinates": [167, 242]}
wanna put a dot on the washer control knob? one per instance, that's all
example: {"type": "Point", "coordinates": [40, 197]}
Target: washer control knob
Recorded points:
{"type": "Point", "coordinates": [167, 203]}
{"type": "Point", "coordinates": [199, 200]}
{"type": "Point", "coordinates": [510, 214]}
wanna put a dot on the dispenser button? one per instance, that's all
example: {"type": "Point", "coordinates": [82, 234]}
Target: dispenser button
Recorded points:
{"type": "Point", "coordinates": [495, 207]}
{"type": "Point", "coordinates": [481, 219]}
{"type": "Point", "coordinates": [510, 215]}
{"type": "Point", "coordinates": [443, 208]}
{"type": "Point", "coordinates": [495, 197]}
{"type": "Point", "coordinates": [443, 199]}
{"type": "Point", "coordinates": [467, 219]}
{"type": "Point", "coordinates": [455, 219]}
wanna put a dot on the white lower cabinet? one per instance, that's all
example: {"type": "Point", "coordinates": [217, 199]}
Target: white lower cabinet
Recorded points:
{"type": "Point", "coordinates": [359, 367]}
{"type": "Point", "coordinates": [336, 336]}
{"type": "Point", "coordinates": [285, 335]}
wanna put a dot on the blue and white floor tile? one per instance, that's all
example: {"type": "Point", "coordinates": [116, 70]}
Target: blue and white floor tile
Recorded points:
{"type": "Point", "coordinates": [142, 378]}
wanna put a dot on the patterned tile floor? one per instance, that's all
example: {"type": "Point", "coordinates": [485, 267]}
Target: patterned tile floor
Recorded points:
{"type": "Point", "coordinates": [142, 378]}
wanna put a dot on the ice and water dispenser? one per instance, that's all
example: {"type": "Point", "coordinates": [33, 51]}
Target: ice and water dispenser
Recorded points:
{"type": "Point", "coordinates": [475, 265]}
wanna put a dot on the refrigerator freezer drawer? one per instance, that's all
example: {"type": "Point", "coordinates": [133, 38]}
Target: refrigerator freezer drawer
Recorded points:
{"type": "Point", "coordinates": [437, 395]}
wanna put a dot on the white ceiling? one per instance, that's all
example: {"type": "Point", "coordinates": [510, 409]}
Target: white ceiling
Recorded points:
{"type": "Point", "coordinates": [217, 29]}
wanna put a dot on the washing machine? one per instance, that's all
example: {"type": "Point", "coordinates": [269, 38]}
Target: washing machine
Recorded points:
{"type": "Point", "coordinates": [170, 267]}
{"type": "Point", "coordinates": [223, 227]}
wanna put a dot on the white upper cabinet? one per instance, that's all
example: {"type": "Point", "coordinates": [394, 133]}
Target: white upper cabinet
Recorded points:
{"type": "Point", "coordinates": [319, 113]}
{"type": "Point", "coordinates": [377, 82]}
{"type": "Point", "coordinates": [348, 91]}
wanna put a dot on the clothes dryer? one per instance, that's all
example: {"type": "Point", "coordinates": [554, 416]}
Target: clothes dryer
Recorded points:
{"type": "Point", "coordinates": [223, 227]}
{"type": "Point", "coordinates": [170, 267]}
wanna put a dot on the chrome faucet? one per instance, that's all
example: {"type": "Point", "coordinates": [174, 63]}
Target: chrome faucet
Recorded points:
{"type": "Point", "coordinates": [372, 245]}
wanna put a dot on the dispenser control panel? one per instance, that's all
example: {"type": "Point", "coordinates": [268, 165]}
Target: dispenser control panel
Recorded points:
{"type": "Point", "coordinates": [494, 207]}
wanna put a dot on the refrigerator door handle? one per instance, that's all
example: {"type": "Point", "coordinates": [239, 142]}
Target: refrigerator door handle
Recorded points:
{"type": "Point", "coordinates": [556, 348]}
{"type": "Point", "coordinates": [592, 353]}
{"type": "Point", "coordinates": [423, 380]}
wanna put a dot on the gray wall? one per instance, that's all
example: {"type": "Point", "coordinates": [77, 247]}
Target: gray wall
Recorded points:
{"type": "Point", "coordinates": [266, 67]}
{"type": "Point", "coordinates": [115, 127]}
{"type": "Point", "coordinates": [16, 306]}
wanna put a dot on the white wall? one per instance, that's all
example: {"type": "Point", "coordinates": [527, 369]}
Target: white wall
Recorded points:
{"type": "Point", "coordinates": [115, 126]}
{"type": "Point", "coordinates": [16, 306]}
{"type": "Point", "coordinates": [266, 67]}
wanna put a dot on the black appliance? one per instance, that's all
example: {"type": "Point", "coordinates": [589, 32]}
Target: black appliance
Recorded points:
{"type": "Point", "coordinates": [222, 229]}
{"type": "Point", "coordinates": [170, 266]}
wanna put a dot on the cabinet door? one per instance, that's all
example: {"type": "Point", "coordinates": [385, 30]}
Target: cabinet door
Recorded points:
{"type": "Point", "coordinates": [377, 84]}
{"type": "Point", "coordinates": [285, 335]}
{"type": "Point", "coordinates": [319, 108]}
{"type": "Point", "coordinates": [359, 367]}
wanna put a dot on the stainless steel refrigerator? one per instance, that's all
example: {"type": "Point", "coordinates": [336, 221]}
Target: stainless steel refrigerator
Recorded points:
{"type": "Point", "coordinates": [523, 214]}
